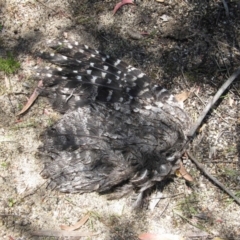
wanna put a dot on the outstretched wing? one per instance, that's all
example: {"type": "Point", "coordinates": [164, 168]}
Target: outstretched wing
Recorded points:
{"type": "Point", "coordinates": [118, 131]}
{"type": "Point", "coordinates": [85, 74]}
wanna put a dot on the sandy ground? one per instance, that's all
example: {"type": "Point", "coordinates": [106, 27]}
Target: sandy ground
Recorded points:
{"type": "Point", "coordinates": [180, 44]}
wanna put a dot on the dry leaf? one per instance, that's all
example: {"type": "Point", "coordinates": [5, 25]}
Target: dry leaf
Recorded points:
{"type": "Point", "coordinates": [181, 97]}
{"type": "Point", "coordinates": [152, 236]}
{"type": "Point", "coordinates": [120, 4]}
{"type": "Point", "coordinates": [62, 233]}
{"type": "Point", "coordinates": [182, 172]}
{"type": "Point", "coordinates": [32, 98]}
{"type": "Point", "coordinates": [77, 225]}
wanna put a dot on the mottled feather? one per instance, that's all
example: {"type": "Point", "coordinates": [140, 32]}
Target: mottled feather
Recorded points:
{"type": "Point", "coordinates": [119, 131]}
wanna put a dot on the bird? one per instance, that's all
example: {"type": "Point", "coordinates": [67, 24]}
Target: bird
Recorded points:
{"type": "Point", "coordinates": [119, 132]}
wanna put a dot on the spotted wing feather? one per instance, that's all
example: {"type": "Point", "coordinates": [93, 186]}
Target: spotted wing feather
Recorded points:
{"type": "Point", "coordinates": [119, 131]}
{"type": "Point", "coordinates": [99, 76]}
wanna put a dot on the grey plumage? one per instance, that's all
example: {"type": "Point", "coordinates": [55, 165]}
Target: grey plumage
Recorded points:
{"type": "Point", "coordinates": [119, 132]}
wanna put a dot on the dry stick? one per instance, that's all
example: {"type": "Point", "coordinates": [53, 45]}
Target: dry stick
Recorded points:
{"type": "Point", "coordinates": [212, 102]}
{"type": "Point", "coordinates": [199, 121]}
{"type": "Point", "coordinates": [226, 7]}
{"type": "Point", "coordinates": [200, 166]}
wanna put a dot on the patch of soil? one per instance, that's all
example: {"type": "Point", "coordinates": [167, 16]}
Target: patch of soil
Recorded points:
{"type": "Point", "coordinates": [179, 44]}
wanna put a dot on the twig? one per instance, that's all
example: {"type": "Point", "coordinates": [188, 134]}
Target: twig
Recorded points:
{"type": "Point", "coordinates": [46, 6]}
{"type": "Point", "coordinates": [191, 222]}
{"type": "Point", "coordinates": [200, 166]}
{"type": "Point", "coordinates": [226, 7]}
{"type": "Point", "coordinates": [164, 209]}
{"type": "Point", "coordinates": [212, 102]}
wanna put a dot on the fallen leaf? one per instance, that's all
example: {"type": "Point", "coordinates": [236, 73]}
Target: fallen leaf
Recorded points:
{"type": "Point", "coordinates": [120, 4]}
{"type": "Point", "coordinates": [61, 233]}
{"type": "Point", "coordinates": [152, 236]}
{"type": "Point", "coordinates": [182, 172]}
{"type": "Point", "coordinates": [77, 225]}
{"type": "Point", "coordinates": [33, 97]}
{"type": "Point", "coordinates": [181, 97]}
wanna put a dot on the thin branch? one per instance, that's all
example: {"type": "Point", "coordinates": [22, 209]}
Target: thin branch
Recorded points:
{"type": "Point", "coordinates": [226, 7]}
{"type": "Point", "coordinates": [206, 173]}
{"type": "Point", "coordinates": [212, 102]}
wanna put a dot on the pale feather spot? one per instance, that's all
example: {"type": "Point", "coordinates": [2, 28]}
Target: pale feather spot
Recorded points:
{"type": "Point", "coordinates": [103, 59]}
{"type": "Point", "coordinates": [119, 72]}
{"type": "Point", "coordinates": [89, 72]}
{"type": "Point", "coordinates": [64, 78]}
{"type": "Point", "coordinates": [49, 75]}
{"type": "Point", "coordinates": [52, 54]}
{"type": "Point", "coordinates": [116, 106]}
{"type": "Point", "coordinates": [163, 90]}
{"type": "Point", "coordinates": [143, 91]}
{"type": "Point", "coordinates": [86, 46]}
{"type": "Point", "coordinates": [81, 50]}
{"type": "Point", "coordinates": [70, 46]}
{"type": "Point", "coordinates": [91, 64]}
{"type": "Point", "coordinates": [79, 78]}
{"type": "Point", "coordinates": [109, 81]}
{"type": "Point", "coordinates": [105, 67]}
{"type": "Point", "coordinates": [110, 92]}
{"type": "Point", "coordinates": [103, 74]}
{"type": "Point", "coordinates": [92, 55]}
{"type": "Point", "coordinates": [59, 69]}
{"type": "Point", "coordinates": [120, 99]}
{"type": "Point", "coordinates": [141, 75]}
{"type": "Point", "coordinates": [117, 62]}
{"type": "Point", "coordinates": [75, 71]}
{"type": "Point", "coordinates": [76, 43]}
{"type": "Point", "coordinates": [65, 57]}
{"type": "Point", "coordinates": [93, 79]}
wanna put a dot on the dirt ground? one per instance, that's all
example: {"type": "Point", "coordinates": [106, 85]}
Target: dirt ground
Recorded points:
{"type": "Point", "coordinates": [191, 44]}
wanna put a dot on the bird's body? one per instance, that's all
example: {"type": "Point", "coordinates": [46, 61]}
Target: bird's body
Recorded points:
{"type": "Point", "coordinates": [119, 131]}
